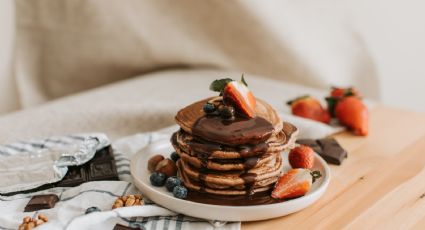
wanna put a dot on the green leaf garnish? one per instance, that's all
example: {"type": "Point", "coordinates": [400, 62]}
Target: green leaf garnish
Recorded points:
{"type": "Point", "coordinates": [243, 81]}
{"type": "Point", "coordinates": [218, 85]}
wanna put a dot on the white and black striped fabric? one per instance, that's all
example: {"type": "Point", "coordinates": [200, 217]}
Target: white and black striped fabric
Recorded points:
{"type": "Point", "coordinates": [69, 212]}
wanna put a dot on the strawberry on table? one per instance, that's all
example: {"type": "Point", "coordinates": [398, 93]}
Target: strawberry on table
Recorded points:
{"type": "Point", "coordinates": [294, 183]}
{"type": "Point", "coordinates": [337, 94]}
{"type": "Point", "coordinates": [344, 92]}
{"type": "Point", "coordinates": [301, 157]}
{"type": "Point", "coordinates": [351, 112]}
{"type": "Point", "coordinates": [309, 107]}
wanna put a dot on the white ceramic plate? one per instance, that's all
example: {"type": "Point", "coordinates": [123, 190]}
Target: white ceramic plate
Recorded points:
{"type": "Point", "coordinates": [166, 199]}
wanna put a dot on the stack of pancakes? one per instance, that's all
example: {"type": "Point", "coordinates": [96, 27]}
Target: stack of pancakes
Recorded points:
{"type": "Point", "coordinates": [231, 157]}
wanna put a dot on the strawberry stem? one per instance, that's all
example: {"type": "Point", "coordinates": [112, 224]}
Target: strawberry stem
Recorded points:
{"type": "Point", "coordinates": [316, 175]}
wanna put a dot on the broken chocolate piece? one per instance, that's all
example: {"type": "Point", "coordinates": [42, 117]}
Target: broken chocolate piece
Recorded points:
{"type": "Point", "coordinates": [41, 202]}
{"type": "Point", "coordinates": [332, 152]}
{"type": "Point", "coordinates": [328, 148]}
{"type": "Point", "coordinates": [311, 143]}
{"type": "Point", "coordinates": [122, 227]}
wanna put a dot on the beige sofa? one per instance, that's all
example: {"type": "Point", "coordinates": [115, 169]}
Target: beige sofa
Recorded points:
{"type": "Point", "coordinates": [52, 49]}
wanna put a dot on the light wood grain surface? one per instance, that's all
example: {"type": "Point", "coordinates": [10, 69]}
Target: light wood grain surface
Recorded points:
{"type": "Point", "coordinates": [380, 186]}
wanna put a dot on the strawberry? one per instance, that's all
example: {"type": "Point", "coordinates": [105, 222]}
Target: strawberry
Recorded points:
{"type": "Point", "coordinates": [310, 108]}
{"type": "Point", "coordinates": [352, 113]}
{"type": "Point", "coordinates": [336, 94]}
{"type": "Point", "coordinates": [301, 157]}
{"type": "Point", "coordinates": [343, 92]}
{"type": "Point", "coordinates": [294, 183]}
{"type": "Point", "coordinates": [237, 94]}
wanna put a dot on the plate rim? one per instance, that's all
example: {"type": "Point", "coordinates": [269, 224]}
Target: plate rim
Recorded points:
{"type": "Point", "coordinates": [320, 189]}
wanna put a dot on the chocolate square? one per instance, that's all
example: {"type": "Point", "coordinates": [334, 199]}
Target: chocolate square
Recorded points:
{"type": "Point", "coordinates": [75, 176]}
{"type": "Point", "coordinates": [104, 154]}
{"type": "Point", "coordinates": [102, 170]}
{"type": "Point", "coordinates": [41, 202]}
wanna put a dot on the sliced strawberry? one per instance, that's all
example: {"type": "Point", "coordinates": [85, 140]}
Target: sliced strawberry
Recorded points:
{"type": "Point", "coordinates": [292, 184]}
{"type": "Point", "coordinates": [309, 107]}
{"type": "Point", "coordinates": [237, 94]}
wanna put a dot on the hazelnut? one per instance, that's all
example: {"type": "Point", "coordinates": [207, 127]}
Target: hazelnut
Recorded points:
{"type": "Point", "coordinates": [167, 166]}
{"type": "Point", "coordinates": [153, 162]}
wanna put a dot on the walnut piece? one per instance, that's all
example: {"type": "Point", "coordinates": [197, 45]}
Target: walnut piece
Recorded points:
{"type": "Point", "coordinates": [128, 201]}
{"type": "Point", "coordinates": [30, 223]}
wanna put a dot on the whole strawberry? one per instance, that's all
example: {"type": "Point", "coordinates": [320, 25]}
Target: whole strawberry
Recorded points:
{"type": "Point", "coordinates": [294, 183]}
{"type": "Point", "coordinates": [310, 108]}
{"type": "Point", "coordinates": [344, 92]}
{"type": "Point", "coordinates": [352, 113]}
{"type": "Point", "coordinates": [337, 94]}
{"type": "Point", "coordinates": [301, 157]}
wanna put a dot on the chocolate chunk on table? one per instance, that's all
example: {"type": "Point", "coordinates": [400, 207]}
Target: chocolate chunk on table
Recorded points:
{"type": "Point", "coordinates": [122, 227]}
{"type": "Point", "coordinates": [41, 202]}
{"type": "Point", "coordinates": [312, 143]}
{"type": "Point", "coordinates": [328, 148]}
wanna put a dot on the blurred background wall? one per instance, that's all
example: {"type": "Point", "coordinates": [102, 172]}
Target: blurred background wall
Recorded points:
{"type": "Point", "coordinates": [391, 32]}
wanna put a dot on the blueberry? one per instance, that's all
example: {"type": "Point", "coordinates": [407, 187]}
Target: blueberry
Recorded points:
{"type": "Point", "coordinates": [209, 108]}
{"type": "Point", "coordinates": [226, 112]}
{"type": "Point", "coordinates": [157, 179]}
{"type": "Point", "coordinates": [174, 156]}
{"type": "Point", "coordinates": [92, 209]}
{"type": "Point", "coordinates": [180, 192]}
{"type": "Point", "coordinates": [172, 182]}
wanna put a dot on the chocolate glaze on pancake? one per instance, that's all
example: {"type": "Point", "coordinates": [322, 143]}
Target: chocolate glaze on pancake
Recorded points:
{"type": "Point", "coordinates": [233, 132]}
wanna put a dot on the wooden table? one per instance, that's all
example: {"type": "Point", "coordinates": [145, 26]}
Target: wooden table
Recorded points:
{"type": "Point", "coordinates": [380, 185]}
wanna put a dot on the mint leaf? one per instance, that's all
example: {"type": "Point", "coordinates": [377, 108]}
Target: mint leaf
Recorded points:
{"type": "Point", "coordinates": [243, 81]}
{"type": "Point", "coordinates": [218, 85]}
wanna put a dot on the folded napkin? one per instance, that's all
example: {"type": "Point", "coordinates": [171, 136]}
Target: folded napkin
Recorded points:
{"type": "Point", "coordinates": [69, 211]}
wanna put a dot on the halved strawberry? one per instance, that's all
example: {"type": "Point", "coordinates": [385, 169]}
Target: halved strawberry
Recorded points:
{"type": "Point", "coordinates": [309, 107]}
{"type": "Point", "coordinates": [294, 183]}
{"type": "Point", "coordinates": [238, 95]}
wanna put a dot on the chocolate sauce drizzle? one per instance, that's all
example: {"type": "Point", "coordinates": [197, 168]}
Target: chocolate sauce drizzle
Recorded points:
{"type": "Point", "coordinates": [245, 136]}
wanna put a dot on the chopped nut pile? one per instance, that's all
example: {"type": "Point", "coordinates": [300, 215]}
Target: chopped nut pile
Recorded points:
{"type": "Point", "coordinates": [30, 223]}
{"type": "Point", "coordinates": [127, 201]}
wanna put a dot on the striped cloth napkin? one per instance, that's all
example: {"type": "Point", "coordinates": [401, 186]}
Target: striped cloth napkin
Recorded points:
{"type": "Point", "coordinates": [69, 212]}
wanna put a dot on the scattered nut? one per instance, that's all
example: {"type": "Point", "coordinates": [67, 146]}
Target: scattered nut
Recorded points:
{"type": "Point", "coordinates": [128, 201]}
{"type": "Point", "coordinates": [153, 162]}
{"type": "Point", "coordinates": [29, 223]}
{"type": "Point", "coordinates": [43, 217]}
{"type": "Point", "coordinates": [167, 166]}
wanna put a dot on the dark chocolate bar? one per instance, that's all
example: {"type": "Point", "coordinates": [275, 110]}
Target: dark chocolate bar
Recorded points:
{"type": "Point", "coordinates": [41, 202]}
{"type": "Point", "coordinates": [100, 167]}
{"type": "Point", "coordinates": [328, 148]}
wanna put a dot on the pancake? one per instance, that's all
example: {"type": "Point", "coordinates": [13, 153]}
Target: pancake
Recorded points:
{"type": "Point", "coordinates": [186, 142]}
{"type": "Point", "coordinates": [194, 185]}
{"type": "Point", "coordinates": [222, 165]}
{"type": "Point", "coordinates": [192, 120]}
{"type": "Point", "coordinates": [238, 156]}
